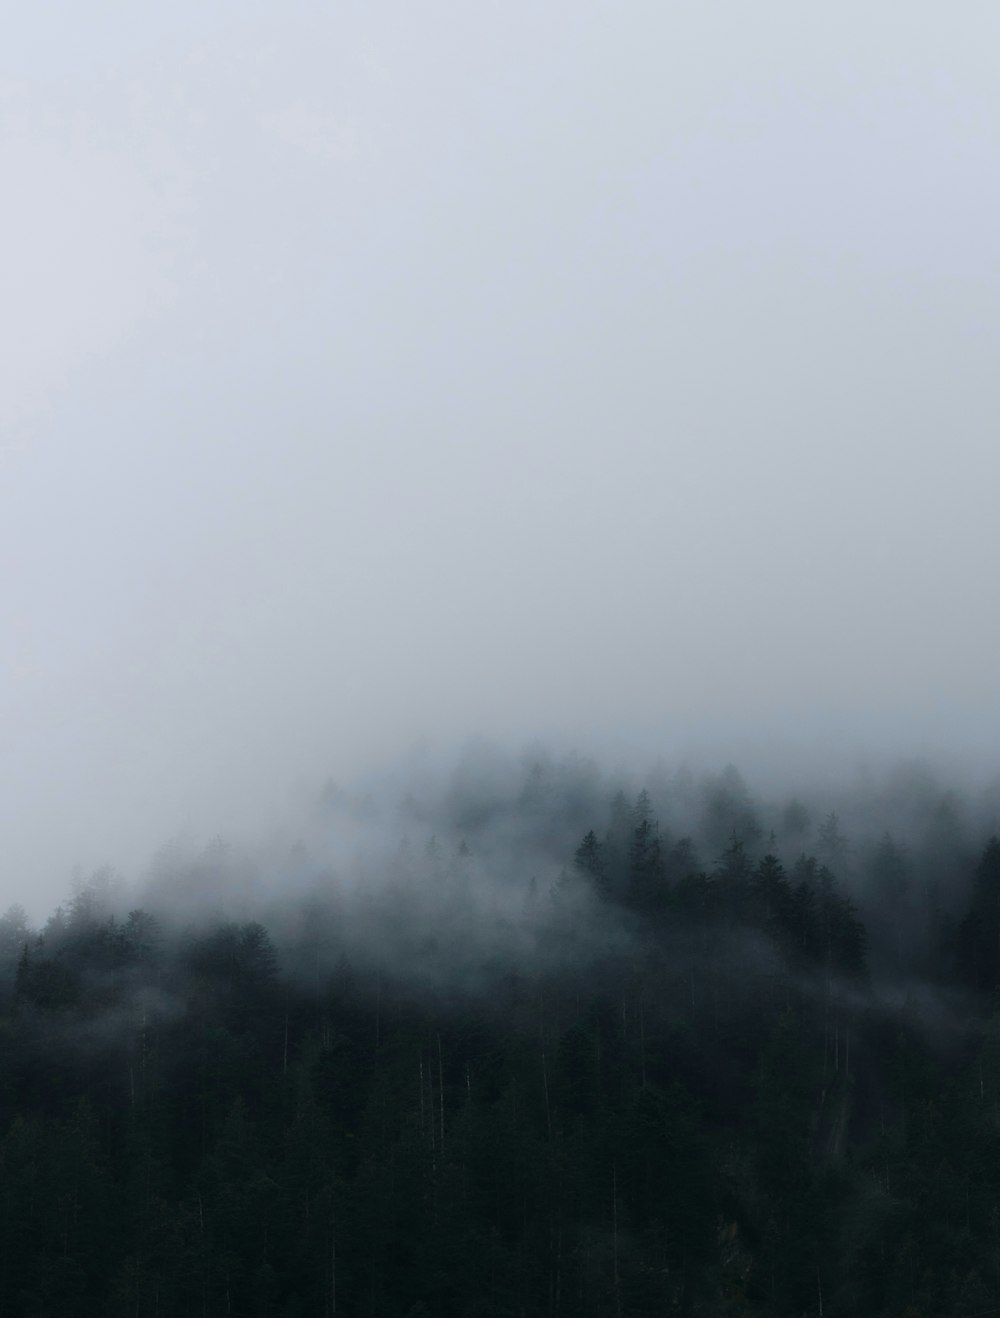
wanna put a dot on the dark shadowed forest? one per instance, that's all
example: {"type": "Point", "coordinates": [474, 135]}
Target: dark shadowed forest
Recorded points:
{"type": "Point", "coordinates": [529, 1040]}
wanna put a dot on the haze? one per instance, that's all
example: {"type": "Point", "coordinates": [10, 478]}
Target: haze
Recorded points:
{"type": "Point", "coordinates": [375, 376]}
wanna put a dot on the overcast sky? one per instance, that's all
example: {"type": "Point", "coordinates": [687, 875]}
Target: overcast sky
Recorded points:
{"type": "Point", "coordinates": [374, 372]}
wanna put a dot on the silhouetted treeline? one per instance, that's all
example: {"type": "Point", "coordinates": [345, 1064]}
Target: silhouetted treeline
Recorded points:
{"type": "Point", "coordinates": [560, 1050]}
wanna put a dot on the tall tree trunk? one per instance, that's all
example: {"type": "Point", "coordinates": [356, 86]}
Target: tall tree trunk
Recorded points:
{"type": "Point", "coordinates": [614, 1234]}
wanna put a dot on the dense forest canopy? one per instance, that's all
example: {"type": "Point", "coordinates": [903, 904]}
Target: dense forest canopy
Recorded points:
{"type": "Point", "coordinates": [532, 1039]}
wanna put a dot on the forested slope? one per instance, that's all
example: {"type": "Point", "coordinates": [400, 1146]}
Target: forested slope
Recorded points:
{"type": "Point", "coordinates": [555, 1057]}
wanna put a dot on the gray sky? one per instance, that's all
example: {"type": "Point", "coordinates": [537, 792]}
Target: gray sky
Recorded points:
{"type": "Point", "coordinates": [376, 373]}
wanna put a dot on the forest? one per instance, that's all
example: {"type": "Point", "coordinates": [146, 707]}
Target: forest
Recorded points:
{"type": "Point", "coordinates": [525, 1040]}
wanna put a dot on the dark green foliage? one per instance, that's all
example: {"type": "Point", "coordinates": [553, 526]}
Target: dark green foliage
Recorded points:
{"type": "Point", "coordinates": [711, 1111]}
{"type": "Point", "coordinates": [647, 879]}
{"type": "Point", "coordinates": [979, 932]}
{"type": "Point", "coordinates": [589, 860]}
{"type": "Point", "coordinates": [830, 841]}
{"type": "Point", "coordinates": [795, 820]}
{"type": "Point", "coordinates": [14, 937]}
{"type": "Point", "coordinates": [729, 812]}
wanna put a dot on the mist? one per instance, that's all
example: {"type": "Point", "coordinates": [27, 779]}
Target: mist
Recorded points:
{"type": "Point", "coordinates": [376, 378]}
{"type": "Point", "coordinates": [451, 875]}
{"type": "Point", "coordinates": [498, 705]}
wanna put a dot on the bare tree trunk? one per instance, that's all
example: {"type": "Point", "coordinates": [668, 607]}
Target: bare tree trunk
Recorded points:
{"type": "Point", "coordinates": [431, 1118]}
{"type": "Point", "coordinates": [558, 1274]}
{"type": "Point", "coordinates": [642, 1044]}
{"type": "Point", "coordinates": [441, 1092]}
{"type": "Point", "coordinates": [142, 1059]}
{"type": "Point", "coordinates": [545, 1086]}
{"type": "Point", "coordinates": [836, 1045]}
{"type": "Point", "coordinates": [333, 1273]}
{"type": "Point", "coordinates": [614, 1222]}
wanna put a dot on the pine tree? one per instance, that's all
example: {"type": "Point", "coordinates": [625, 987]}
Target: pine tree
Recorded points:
{"type": "Point", "coordinates": [589, 860]}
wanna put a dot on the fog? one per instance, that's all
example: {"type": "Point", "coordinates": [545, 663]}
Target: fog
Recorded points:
{"type": "Point", "coordinates": [464, 880]}
{"type": "Point", "coordinates": [374, 377]}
